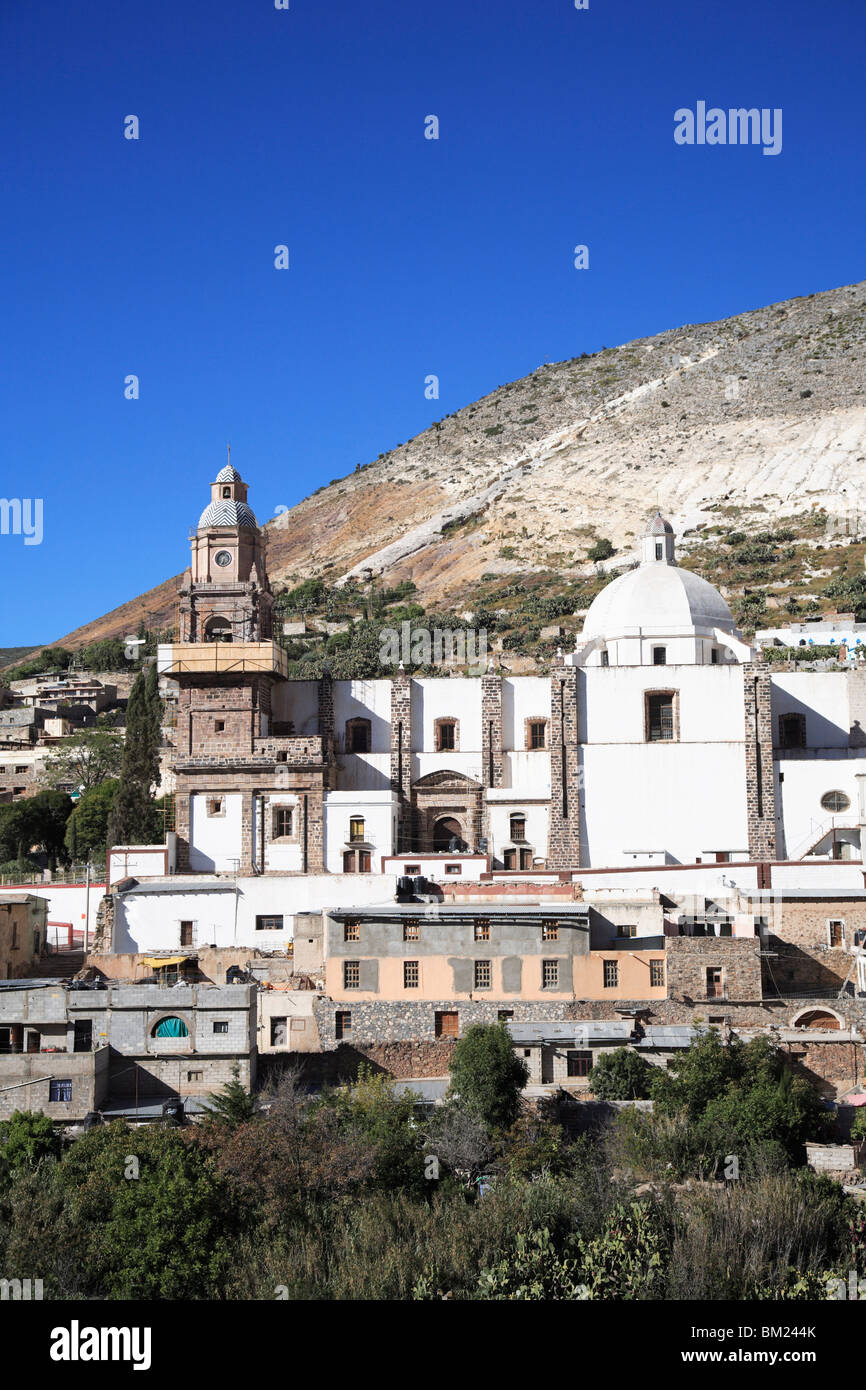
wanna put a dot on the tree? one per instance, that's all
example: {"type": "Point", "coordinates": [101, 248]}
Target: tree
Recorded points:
{"type": "Point", "coordinates": [621, 1075]}
{"type": "Point", "coordinates": [602, 550]}
{"type": "Point", "coordinates": [133, 819]}
{"type": "Point", "coordinates": [86, 760]}
{"type": "Point", "coordinates": [87, 827]}
{"type": "Point", "coordinates": [36, 821]}
{"type": "Point", "coordinates": [232, 1105]}
{"type": "Point", "coordinates": [25, 1139]}
{"type": "Point", "coordinates": [487, 1077]}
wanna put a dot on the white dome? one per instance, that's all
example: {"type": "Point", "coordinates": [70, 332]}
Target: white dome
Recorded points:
{"type": "Point", "coordinates": [656, 599]}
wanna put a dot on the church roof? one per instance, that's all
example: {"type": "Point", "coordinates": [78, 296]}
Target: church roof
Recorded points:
{"type": "Point", "coordinates": [227, 512]}
{"type": "Point", "coordinates": [659, 527]}
{"type": "Point", "coordinates": [228, 475]}
{"type": "Point", "coordinates": [659, 598]}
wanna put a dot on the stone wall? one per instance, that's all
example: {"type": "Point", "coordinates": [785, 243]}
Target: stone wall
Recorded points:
{"type": "Point", "coordinates": [760, 776]}
{"type": "Point", "coordinates": [690, 957]}
{"type": "Point", "coordinates": [401, 759]}
{"type": "Point", "coordinates": [564, 844]}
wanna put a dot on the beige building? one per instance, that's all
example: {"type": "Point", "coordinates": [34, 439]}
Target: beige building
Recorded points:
{"type": "Point", "coordinates": [22, 933]}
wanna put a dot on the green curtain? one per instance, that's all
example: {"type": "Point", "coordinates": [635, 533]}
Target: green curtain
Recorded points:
{"type": "Point", "coordinates": [172, 1028]}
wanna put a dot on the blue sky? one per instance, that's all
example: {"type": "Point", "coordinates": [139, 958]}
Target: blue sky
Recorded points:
{"type": "Point", "coordinates": [408, 256]}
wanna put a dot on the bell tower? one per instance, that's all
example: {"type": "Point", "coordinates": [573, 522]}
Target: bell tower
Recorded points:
{"type": "Point", "coordinates": [225, 595]}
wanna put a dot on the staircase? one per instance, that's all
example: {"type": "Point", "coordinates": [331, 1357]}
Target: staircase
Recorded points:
{"type": "Point", "coordinates": [61, 965]}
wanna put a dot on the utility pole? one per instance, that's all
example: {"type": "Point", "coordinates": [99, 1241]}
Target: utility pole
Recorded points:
{"type": "Point", "coordinates": [87, 906]}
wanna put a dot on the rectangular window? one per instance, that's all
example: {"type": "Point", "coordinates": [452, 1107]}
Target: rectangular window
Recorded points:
{"type": "Point", "coordinates": [219, 726]}
{"type": "Point", "coordinates": [509, 859]}
{"type": "Point", "coordinates": [279, 1032]}
{"type": "Point", "coordinates": [342, 1024]}
{"type": "Point", "coordinates": [714, 656]}
{"type": "Point", "coordinates": [359, 737]}
{"type": "Point", "coordinates": [364, 861]}
{"type": "Point", "coordinates": [505, 1016]}
{"type": "Point", "coordinates": [549, 974]}
{"type": "Point", "coordinates": [357, 828]}
{"type": "Point", "coordinates": [660, 656]}
{"type": "Point", "coordinates": [446, 1025]}
{"type": "Point", "coordinates": [611, 974]}
{"type": "Point", "coordinates": [482, 974]}
{"type": "Point", "coordinates": [221, 1025]}
{"type": "Point", "coordinates": [605, 657]}
{"type": "Point", "coordinates": [282, 825]}
{"type": "Point", "coordinates": [411, 869]}
{"type": "Point", "coordinates": [518, 828]}
{"type": "Point", "coordinates": [579, 1063]}
{"type": "Point", "coordinates": [836, 933]}
{"type": "Point", "coordinates": [526, 859]}
{"type": "Point", "coordinates": [411, 931]}
{"type": "Point", "coordinates": [446, 742]}
{"type": "Point", "coordinates": [626, 929]}
{"type": "Point", "coordinates": [714, 982]}
{"type": "Point", "coordinates": [659, 550]}
{"type": "Point", "coordinates": [351, 931]}
{"type": "Point", "coordinates": [186, 929]}
{"type": "Point", "coordinates": [792, 730]}
{"type": "Point", "coordinates": [351, 974]}
{"type": "Point", "coordinates": [195, 1076]}
{"type": "Point", "coordinates": [411, 977]}
{"type": "Point", "coordinates": [59, 1091]}
{"type": "Point", "coordinates": [482, 930]}
{"type": "Point", "coordinates": [269, 923]}
{"type": "Point", "coordinates": [349, 861]}
{"type": "Point", "coordinates": [216, 806]}
{"type": "Point", "coordinates": [537, 733]}
{"type": "Point", "coordinates": [452, 868]}
{"type": "Point", "coordinates": [549, 930]}
{"type": "Point", "coordinates": [657, 974]}
{"type": "Point", "coordinates": [660, 718]}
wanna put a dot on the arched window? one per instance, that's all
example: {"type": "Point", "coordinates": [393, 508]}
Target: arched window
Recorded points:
{"type": "Point", "coordinates": [218, 630]}
{"type": "Point", "coordinates": [172, 1027]}
{"type": "Point", "coordinates": [358, 733]}
{"type": "Point", "coordinates": [518, 826]}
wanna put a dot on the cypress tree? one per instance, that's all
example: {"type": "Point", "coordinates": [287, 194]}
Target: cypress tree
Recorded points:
{"type": "Point", "coordinates": [133, 820]}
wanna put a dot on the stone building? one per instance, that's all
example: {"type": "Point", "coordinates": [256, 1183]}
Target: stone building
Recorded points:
{"type": "Point", "coordinates": [23, 929]}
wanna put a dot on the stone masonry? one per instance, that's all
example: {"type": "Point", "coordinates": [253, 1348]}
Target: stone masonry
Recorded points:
{"type": "Point", "coordinates": [760, 783]}
{"type": "Point", "coordinates": [564, 844]}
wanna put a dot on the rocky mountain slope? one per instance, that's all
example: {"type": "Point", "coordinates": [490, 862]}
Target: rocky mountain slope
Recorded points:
{"type": "Point", "coordinates": [757, 417]}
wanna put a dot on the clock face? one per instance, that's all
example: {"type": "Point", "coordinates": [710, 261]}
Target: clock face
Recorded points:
{"type": "Point", "coordinates": [223, 557]}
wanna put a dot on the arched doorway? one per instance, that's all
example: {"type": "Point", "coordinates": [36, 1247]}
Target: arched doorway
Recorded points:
{"type": "Point", "coordinates": [448, 836]}
{"type": "Point", "coordinates": [218, 630]}
{"type": "Point", "coordinates": [823, 1019]}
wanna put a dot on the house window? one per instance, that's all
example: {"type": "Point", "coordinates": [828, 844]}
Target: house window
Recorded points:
{"type": "Point", "coordinates": [549, 931]}
{"type": "Point", "coordinates": [351, 974]}
{"type": "Point", "coordinates": [195, 1076]}
{"type": "Point", "coordinates": [282, 822]}
{"type": "Point", "coordinates": [505, 1016]}
{"type": "Point", "coordinates": [410, 974]}
{"type": "Point", "coordinates": [186, 930]}
{"type": "Point", "coordinates": [626, 929]}
{"type": "Point", "coordinates": [342, 1024]}
{"type": "Point", "coordinates": [482, 930]}
{"type": "Point", "coordinates": [357, 828]}
{"type": "Point", "coordinates": [221, 1025]}
{"type": "Point", "coordinates": [411, 930]}
{"type": "Point", "coordinates": [446, 1025]}
{"type": "Point", "coordinates": [714, 656]}
{"type": "Point", "coordinates": [482, 974]}
{"type": "Point", "coordinates": [357, 735]}
{"type": "Point", "coordinates": [537, 734]}
{"type": "Point", "coordinates": [526, 859]}
{"type": "Point", "coordinates": [657, 974]}
{"type": "Point", "coordinates": [660, 718]}
{"type": "Point", "coordinates": [410, 869]}
{"type": "Point", "coordinates": [611, 974]}
{"type": "Point", "coordinates": [518, 827]}
{"type": "Point", "coordinates": [351, 931]}
{"type": "Point", "coordinates": [59, 1091]}
{"type": "Point", "coordinates": [170, 1027]}
{"type": "Point", "coordinates": [357, 862]}
{"type": "Point", "coordinates": [349, 864]}
{"type": "Point", "coordinates": [452, 868]}
{"type": "Point", "coordinates": [836, 933]}
{"type": "Point", "coordinates": [219, 726]}
{"type": "Point", "coordinates": [269, 923]}
{"type": "Point", "coordinates": [279, 1032]}
{"type": "Point", "coordinates": [659, 550]}
{"type": "Point", "coordinates": [509, 858]}
{"type": "Point", "coordinates": [660, 656]}
{"type": "Point", "coordinates": [549, 974]}
{"type": "Point", "coordinates": [446, 735]}
{"type": "Point", "coordinates": [792, 731]}
{"type": "Point", "coordinates": [216, 806]}
{"type": "Point", "coordinates": [714, 982]}
{"type": "Point", "coordinates": [835, 801]}
{"type": "Point", "coordinates": [605, 657]}
{"type": "Point", "coordinates": [364, 861]}
{"type": "Point", "coordinates": [578, 1063]}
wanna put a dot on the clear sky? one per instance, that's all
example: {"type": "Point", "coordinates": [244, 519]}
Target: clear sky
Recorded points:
{"type": "Point", "coordinates": [407, 256]}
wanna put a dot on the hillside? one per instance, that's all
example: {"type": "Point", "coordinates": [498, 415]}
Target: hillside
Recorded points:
{"type": "Point", "coordinates": [735, 425]}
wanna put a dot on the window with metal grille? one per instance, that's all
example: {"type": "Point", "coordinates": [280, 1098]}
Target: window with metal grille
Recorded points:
{"type": "Point", "coordinates": [482, 930]}
{"type": "Point", "coordinates": [549, 930]}
{"type": "Point", "coordinates": [792, 730]}
{"type": "Point", "coordinates": [657, 974]}
{"type": "Point", "coordinates": [518, 827]}
{"type": "Point", "coordinates": [221, 1025]}
{"type": "Point", "coordinates": [282, 823]}
{"type": "Point", "coordinates": [835, 801]}
{"type": "Point", "coordinates": [411, 931]}
{"type": "Point", "coordinates": [660, 656]}
{"type": "Point", "coordinates": [660, 718]}
{"type": "Point", "coordinates": [605, 657]}
{"type": "Point", "coordinates": [410, 974]}
{"type": "Point", "coordinates": [549, 974]}
{"type": "Point", "coordinates": [578, 1063]}
{"type": "Point", "coordinates": [351, 931]}
{"type": "Point", "coordinates": [351, 974]}
{"type": "Point", "coordinates": [611, 974]}
{"type": "Point", "coordinates": [482, 974]}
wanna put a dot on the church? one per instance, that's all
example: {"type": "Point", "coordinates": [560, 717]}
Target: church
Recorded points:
{"type": "Point", "coordinates": [662, 739]}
